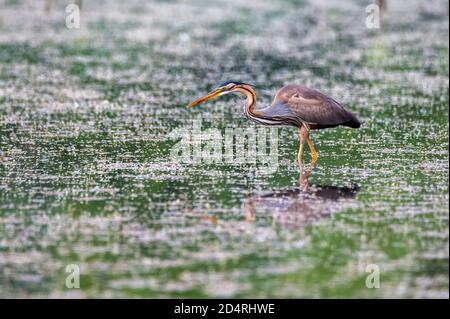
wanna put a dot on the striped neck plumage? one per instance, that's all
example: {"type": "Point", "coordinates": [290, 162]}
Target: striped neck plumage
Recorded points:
{"type": "Point", "coordinates": [250, 103]}
{"type": "Point", "coordinates": [257, 116]}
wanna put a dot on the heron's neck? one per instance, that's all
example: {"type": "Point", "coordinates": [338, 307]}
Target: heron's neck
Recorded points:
{"type": "Point", "coordinates": [250, 103]}
{"type": "Point", "coordinates": [250, 111]}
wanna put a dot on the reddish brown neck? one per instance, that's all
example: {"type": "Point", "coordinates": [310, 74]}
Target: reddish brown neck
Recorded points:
{"type": "Point", "coordinates": [250, 93]}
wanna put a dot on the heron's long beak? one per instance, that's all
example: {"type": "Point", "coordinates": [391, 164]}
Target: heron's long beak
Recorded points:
{"type": "Point", "coordinates": [206, 97]}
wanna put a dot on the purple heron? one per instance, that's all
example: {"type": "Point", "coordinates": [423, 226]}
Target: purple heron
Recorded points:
{"type": "Point", "coordinates": [293, 105]}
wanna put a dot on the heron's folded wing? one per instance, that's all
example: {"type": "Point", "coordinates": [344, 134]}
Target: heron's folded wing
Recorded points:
{"type": "Point", "coordinates": [313, 107]}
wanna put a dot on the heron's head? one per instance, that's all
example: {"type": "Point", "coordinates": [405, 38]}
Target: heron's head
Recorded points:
{"type": "Point", "coordinates": [224, 88]}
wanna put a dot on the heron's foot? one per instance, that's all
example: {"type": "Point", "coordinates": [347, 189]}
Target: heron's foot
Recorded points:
{"type": "Point", "coordinates": [312, 165]}
{"type": "Point", "coordinates": [304, 185]}
{"type": "Point", "coordinates": [303, 180]}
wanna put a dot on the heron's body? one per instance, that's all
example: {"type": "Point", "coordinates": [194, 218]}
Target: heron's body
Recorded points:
{"type": "Point", "coordinates": [293, 105]}
{"type": "Point", "coordinates": [296, 105]}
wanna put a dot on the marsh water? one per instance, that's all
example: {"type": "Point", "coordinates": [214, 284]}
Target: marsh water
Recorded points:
{"type": "Point", "coordinates": [91, 120]}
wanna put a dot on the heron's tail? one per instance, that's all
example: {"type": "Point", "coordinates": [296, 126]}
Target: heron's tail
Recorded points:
{"type": "Point", "coordinates": [353, 121]}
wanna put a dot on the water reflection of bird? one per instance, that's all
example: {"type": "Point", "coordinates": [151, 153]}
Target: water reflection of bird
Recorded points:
{"type": "Point", "coordinates": [293, 105]}
{"type": "Point", "coordinates": [301, 206]}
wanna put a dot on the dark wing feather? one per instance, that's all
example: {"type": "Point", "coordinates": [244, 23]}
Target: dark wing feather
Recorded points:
{"type": "Point", "coordinates": [311, 107]}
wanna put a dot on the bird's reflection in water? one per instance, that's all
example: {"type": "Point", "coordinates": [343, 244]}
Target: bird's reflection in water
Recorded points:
{"type": "Point", "coordinates": [301, 206]}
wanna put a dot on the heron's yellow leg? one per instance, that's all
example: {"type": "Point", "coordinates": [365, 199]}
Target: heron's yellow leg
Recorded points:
{"type": "Point", "coordinates": [302, 136]}
{"type": "Point", "coordinates": [314, 154]}
{"type": "Point", "coordinates": [300, 151]}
